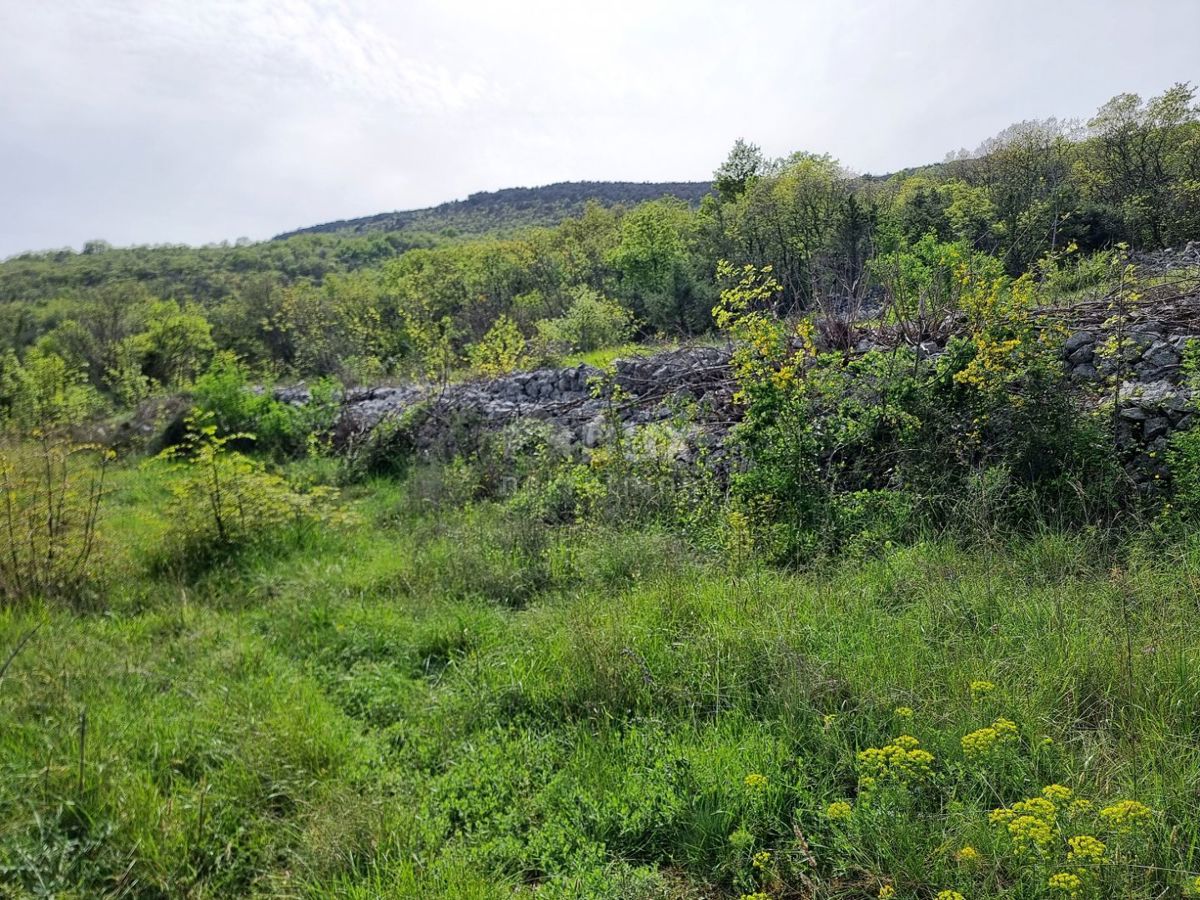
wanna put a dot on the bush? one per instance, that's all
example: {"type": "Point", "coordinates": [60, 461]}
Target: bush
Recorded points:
{"type": "Point", "coordinates": [591, 322]}
{"type": "Point", "coordinates": [499, 351]}
{"type": "Point", "coordinates": [283, 430]}
{"type": "Point", "coordinates": [843, 452]}
{"type": "Point", "coordinates": [51, 494]}
{"type": "Point", "coordinates": [222, 500]}
{"type": "Point", "coordinates": [45, 390]}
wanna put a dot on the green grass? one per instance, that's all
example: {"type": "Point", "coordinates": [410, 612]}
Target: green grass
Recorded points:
{"type": "Point", "coordinates": [439, 703]}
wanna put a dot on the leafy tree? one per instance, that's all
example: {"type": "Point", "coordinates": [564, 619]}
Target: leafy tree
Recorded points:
{"type": "Point", "coordinates": [744, 163]}
{"type": "Point", "coordinates": [1144, 158]}
{"type": "Point", "coordinates": [655, 268]}
{"type": "Point", "coordinates": [499, 351]}
{"type": "Point", "coordinates": [591, 322]}
{"type": "Point", "coordinates": [177, 342]}
{"type": "Point", "coordinates": [789, 220]}
{"type": "Point", "coordinates": [45, 391]}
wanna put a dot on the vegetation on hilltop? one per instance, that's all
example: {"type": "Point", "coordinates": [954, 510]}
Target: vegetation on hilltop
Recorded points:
{"type": "Point", "coordinates": [511, 209]}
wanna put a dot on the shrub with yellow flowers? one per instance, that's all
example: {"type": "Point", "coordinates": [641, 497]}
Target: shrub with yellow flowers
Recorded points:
{"type": "Point", "coordinates": [985, 742]}
{"type": "Point", "coordinates": [1125, 816]}
{"type": "Point", "coordinates": [981, 689]}
{"type": "Point", "coordinates": [1051, 833]}
{"type": "Point", "coordinates": [839, 811]}
{"type": "Point", "coordinates": [1067, 882]}
{"type": "Point", "coordinates": [902, 760]}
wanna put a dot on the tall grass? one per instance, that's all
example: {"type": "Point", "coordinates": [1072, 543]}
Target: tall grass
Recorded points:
{"type": "Point", "coordinates": [452, 703]}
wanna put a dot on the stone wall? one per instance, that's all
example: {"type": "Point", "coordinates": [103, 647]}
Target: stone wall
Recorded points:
{"type": "Point", "coordinates": [1144, 381]}
{"type": "Point", "coordinates": [574, 401]}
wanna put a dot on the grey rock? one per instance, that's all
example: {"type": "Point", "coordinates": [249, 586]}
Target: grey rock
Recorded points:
{"type": "Point", "coordinates": [1155, 428]}
{"type": "Point", "coordinates": [1077, 340]}
{"type": "Point", "coordinates": [1161, 355]}
{"type": "Point", "coordinates": [1082, 355]}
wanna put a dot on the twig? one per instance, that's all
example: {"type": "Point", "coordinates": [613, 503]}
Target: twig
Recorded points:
{"type": "Point", "coordinates": [25, 639]}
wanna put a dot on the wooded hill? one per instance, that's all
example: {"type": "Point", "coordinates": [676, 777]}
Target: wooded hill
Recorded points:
{"type": "Point", "coordinates": [486, 212]}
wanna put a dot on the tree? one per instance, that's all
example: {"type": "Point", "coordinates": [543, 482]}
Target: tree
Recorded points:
{"type": "Point", "coordinates": [788, 220]}
{"type": "Point", "coordinates": [1026, 171]}
{"type": "Point", "coordinates": [177, 342]}
{"type": "Point", "coordinates": [591, 322]}
{"type": "Point", "coordinates": [744, 163]}
{"type": "Point", "coordinates": [1144, 161]}
{"type": "Point", "coordinates": [499, 351]}
{"type": "Point", "coordinates": [655, 270]}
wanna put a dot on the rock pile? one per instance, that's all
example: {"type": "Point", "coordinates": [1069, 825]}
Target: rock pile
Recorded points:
{"type": "Point", "coordinates": [575, 401]}
{"type": "Point", "coordinates": [1141, 374]}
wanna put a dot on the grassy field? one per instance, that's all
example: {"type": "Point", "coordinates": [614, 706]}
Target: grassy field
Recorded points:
{"type": "Point", "coordinates": [460, 703]}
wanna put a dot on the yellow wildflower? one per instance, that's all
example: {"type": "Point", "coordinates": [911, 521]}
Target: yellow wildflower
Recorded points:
{"type": "Point", "coordinates": [839, 810]}
{"type": "Point", "coordinates": [1001, 816]}
{"type": "Point", "coordinates": [755, 782]}
{"type": "Point", "coordinates": [1057, 793]}
{"type": "Point", "coordinates": [968, 854]}
{"type": "Point", "coordinates": [983, 741]}
{"type": "Point", "coordinates": [1030, 833]}
{"type": "Point", "coordinates": [980, 689]}
{"type": "Point", "coordinates": [1066, 881]}
{"type": "Point", "coordinates": [829, 720]}
{"type": "Point", "coordinates": [761, 859]}
{"type": "Point", "coordinates": [1036, 806]}
{"type": "Point", "coordinates": [757, 895]}
{"type": "Point", "coordinates": [903, 712]}
{"type": "Point", "coordinates": [887, 892]}
{"type": "Point", "coordinates": [1086, 849]}
{"type": "Point", "coordinates": [950, 895]}
{"type": "Point", "coordinates": [1124, 815]}
{"type": "Point", "coordinates": [902, 760]}
{"type": "Point", "coordinates": [1006, 727]}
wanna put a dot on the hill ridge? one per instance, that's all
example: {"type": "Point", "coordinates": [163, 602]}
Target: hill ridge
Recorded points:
{"type": "Point", "coordinates": [514, 207]}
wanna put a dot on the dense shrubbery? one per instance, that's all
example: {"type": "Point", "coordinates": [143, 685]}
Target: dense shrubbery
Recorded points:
{"type": "Point", "coordinates": [223, 501]}
{"type": "Point", "coordinates": [226, 397]}
{"type": "Point", "coordinates": [858, 451]}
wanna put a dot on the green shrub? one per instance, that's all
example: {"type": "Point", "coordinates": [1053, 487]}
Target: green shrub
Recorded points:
{"type": "Point", "coordinates": [222, 500]}
{"type": "Point", "coordinates": [282, 430]}
{"type": "Point", "coordinates": [45, 391]}
{"type": "Point", "coordinates": [852, 452]}
{"type": "Point", "coordinates": [499, 351]}
{"type": "Point", "coordinates": [591, 322]}
{"type": "Point", "coordinates": [51, 494]}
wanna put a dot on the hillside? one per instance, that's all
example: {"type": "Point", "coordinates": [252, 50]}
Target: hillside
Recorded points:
{"type": "Point", "coordinates": [485, 212]}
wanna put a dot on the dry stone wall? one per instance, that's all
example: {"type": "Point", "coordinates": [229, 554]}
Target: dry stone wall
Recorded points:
{"type": "Point", "coordinates": [1141, 378]}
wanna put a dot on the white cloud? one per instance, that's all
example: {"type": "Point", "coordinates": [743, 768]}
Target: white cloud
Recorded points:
{"type": "Point", "coordinates": [199, 120]}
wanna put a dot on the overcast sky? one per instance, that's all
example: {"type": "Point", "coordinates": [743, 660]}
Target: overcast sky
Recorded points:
{"type": "Point", "coordinates": [151, 121]}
